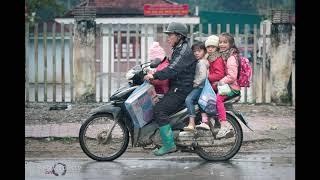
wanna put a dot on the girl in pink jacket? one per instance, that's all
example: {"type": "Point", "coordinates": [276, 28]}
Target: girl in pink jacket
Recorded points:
{"type": "Point", "coordinates": [230, 55]}
{"type": "Point", "coordinates": [157, 52]}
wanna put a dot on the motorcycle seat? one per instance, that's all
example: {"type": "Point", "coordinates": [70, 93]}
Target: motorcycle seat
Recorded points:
{"type": "Point", "coordinates": [160, 95]}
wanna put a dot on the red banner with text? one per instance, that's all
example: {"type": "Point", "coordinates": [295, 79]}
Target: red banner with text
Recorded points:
{"type": "Point", "coordinates": [165, 9]}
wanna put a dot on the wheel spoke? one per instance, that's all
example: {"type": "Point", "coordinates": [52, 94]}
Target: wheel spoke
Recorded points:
{"type": "Point", "coordinates": [102, 138]}
{"type": "Point", "coordinates": [223, 148]}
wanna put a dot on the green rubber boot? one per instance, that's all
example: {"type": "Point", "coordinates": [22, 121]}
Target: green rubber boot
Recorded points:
{"type": "Point", "coordinates": [167, 138]}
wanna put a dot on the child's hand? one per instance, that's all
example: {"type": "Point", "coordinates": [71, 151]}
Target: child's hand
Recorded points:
{"type": "Point", "coordinates": [148, 77]}
{"type": "Point", "coordinates": [220, 83]}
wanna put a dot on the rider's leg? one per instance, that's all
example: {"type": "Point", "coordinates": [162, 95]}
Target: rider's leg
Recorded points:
{"type": "Point", "coordinates": [167, 138]}
{"type": "Point", "coordinates": [168, 105]}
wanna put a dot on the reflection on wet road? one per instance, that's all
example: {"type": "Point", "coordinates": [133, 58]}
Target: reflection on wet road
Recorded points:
{"type": "Point", "coordinates": [261, 165]}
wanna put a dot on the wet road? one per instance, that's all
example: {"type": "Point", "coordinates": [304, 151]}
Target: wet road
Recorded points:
{"type": "Point", "coordinates": [266, 165]}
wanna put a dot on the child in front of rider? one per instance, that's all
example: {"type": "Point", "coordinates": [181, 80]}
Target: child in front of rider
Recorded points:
{"type": "Point", "coordinates": [230, 55]}
{"type": "Point", "coordinates": [157, 52]}
{"type": "Point", "coordinates": [201, 73]}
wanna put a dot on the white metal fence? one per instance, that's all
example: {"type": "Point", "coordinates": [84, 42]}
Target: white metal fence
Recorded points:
{"type": "Point", "coordinates": [49, 58]}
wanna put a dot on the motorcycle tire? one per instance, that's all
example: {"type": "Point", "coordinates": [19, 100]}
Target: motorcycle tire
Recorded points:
{"type": "Point", "coordinates": [98, 141]}
{"type": "Point", "coordinates": [238, 134]}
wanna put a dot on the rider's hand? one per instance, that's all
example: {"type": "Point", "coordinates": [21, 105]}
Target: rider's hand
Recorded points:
{"type": "Point", "coordinates": [148, 77]}
{"type": "Point", "coordinates": [151, 72]}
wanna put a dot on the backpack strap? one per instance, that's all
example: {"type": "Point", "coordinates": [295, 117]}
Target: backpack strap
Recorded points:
{"type": "Point", "coordinates": [238, 58]}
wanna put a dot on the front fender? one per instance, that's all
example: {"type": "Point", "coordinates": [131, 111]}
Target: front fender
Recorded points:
{"type": "Point", "coordinates": [107, 108]}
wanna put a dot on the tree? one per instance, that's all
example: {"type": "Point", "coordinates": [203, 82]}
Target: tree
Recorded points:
{"type": "Point", "coordinates": [42, 10]}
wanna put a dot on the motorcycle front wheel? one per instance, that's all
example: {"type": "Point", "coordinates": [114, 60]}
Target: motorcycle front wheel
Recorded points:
{"type": "Point", "coordinates": [224, 148]}
{"type": "Point", "coordinates": [102, 138]}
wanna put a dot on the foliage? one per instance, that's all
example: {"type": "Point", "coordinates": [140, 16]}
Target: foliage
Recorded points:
{"type": "Point", "coordinates": [47, 10]}
{"type": "Point", "coordinates": [43, 10]}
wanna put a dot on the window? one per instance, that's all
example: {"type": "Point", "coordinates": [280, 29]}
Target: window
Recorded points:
{"type": "Point", "coordinates": [123, 46]}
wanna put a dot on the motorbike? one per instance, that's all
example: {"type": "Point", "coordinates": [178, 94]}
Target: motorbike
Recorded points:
{"type": "Point", "coordinates": [105, 134]}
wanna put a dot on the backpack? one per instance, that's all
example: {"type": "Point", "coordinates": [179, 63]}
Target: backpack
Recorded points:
{"type": "Point", "coordinates": [244, 72]}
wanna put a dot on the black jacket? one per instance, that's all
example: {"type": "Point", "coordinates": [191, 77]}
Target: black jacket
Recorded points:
{"type": "Point", "coordinates": [182, 67]}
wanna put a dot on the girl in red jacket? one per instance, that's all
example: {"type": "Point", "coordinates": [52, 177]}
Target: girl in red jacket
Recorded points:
{"type": "Point", "coordinates": [217, 66]}
{"type": "Point", "coordinates": [230, 55]}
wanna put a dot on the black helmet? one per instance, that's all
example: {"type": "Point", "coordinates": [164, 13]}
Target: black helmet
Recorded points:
{"type": "Point", "coordinates": [178, 28]}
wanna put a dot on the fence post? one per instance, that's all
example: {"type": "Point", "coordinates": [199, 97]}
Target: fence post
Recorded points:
{"type": "Point", "coordinates": [45, 60]}
{"type": "Point", "coordinates": [246, 31]}
{"type": "Point", "coordinates": [36, 60]}
{"type": "Point", "coordinates": [163, 36]}
{"type": "Point", "coordinates": [84, 55]}
{"type": "Point", "coordinates": [101, 62]}
{"type": "Point", "coordinates": [146, 43]}
{"type": "Point", "coordinates": [191, 34]}
{"type": "Point", "coordinates": [237, 35]}
{"type": "Point", "coordinates": [200, 30]}
{"type": "Point", "coordinates": [110, 36]}
{"type": "Point", "coordinates": [280, 56]}
{"type": "Point", "coordinates": [254, 64]}
{"type": "Point", "coordinates": [293, 79]}
{"type": "Point", "coordinates": [218, 29]}
{"type": "Point", "coordinates": [137, 44]}
{"type": "Point", "coordinates": [264, 63]}
{"type": "Point", "coordinates": [27, 61]}
{"type": "Point", "coordinates": [127, 46]}
{"type": "Point", "coordinates": [62, 64]}
{"type": "Point", "coordinates": [155, 32]}
{"type": "Point", "coordinates": [71, 60]}
{"type": "Point", "coordinates": [209, 29]}
{"type": "Point", "coordinates": [54, 61]}
{"type": "Point", "coordinates": [228, 28]}
{"type": "Point", "coordinates": [119, 53]}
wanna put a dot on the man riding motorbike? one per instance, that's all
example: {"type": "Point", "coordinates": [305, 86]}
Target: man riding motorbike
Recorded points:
{"type": "Point", "coordinates": [181, 73]}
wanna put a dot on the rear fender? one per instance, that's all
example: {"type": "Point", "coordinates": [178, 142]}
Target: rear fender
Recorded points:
{"type": "Point", "coordinates": [239, 117]}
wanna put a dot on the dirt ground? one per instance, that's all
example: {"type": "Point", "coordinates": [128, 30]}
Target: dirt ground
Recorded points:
{"type": "Point", "coordinates": [70, 148]}
{"type": "Point", "coordinates": [39, 113]}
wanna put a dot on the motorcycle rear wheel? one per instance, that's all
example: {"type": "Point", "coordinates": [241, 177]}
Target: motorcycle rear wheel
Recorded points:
{"type": "Point", "coordinates": [225, 148]}
{"type": "Point", "coordinates": [93, 137]}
